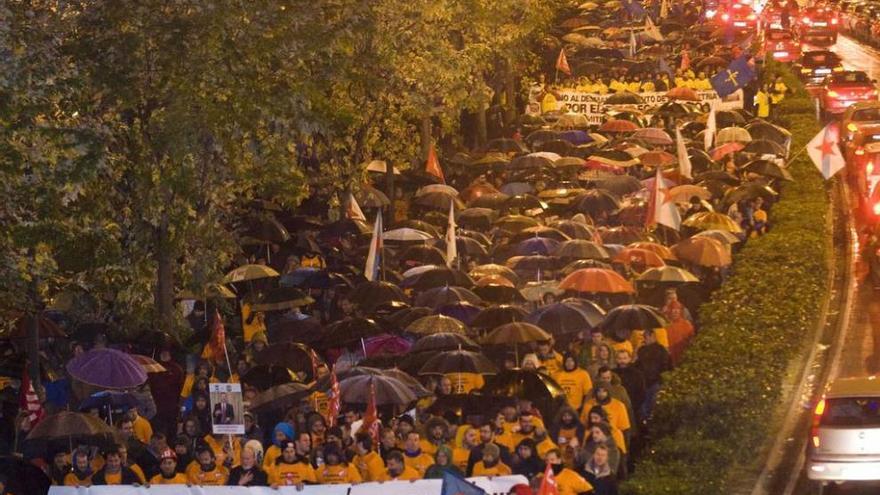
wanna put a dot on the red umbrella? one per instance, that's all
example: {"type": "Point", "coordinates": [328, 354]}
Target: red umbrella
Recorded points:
{"type": "Point", "coordinates": [596, 280]}
{"type": "Point", "coordinates": [617, 125]}
{"type": "Point", "coordinates": [682, 94]}
{"type": "Point", "coordinates": [635, 255]}
{"type": "Point", "coordinates": [657, 159]}
{"type": "Point", "coordinates": [725, 149]}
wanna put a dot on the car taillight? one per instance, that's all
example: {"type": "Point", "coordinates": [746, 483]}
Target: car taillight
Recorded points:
{"type": "Point", "coordinates": [817, 418]}
{"type": "Point", "coordinates": [805, 20]}
{"type": "Point", "coordinates": [710, 14]}
{"type": "Point", "coordinates": [832, 94]}
{"type": "Point", "coordinates": [877, 208]}
{"type": "Point", "coordinates": [838, 69]}
{"type": "Point", "coordinates": [860, 151]}
{"type": "Point", "coordinates": [851, 127]}
{"type": "Point", "coordinates": [834, 21]}
{"type": "Point", "coordinates": [725, 17]}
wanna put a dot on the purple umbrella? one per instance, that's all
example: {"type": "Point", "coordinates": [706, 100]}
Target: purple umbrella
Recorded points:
{"type": "Point", "coordinates": [537, 245]}
{"type": "Point", "coordinates": [386, 345]}
{"type": "Point", "coordinates": [107, 368]}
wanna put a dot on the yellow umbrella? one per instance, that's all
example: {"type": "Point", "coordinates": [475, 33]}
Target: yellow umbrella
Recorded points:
{"type": "Point", "coordinates": [703, 251]}
{"type": "Point", "coordinates": [429, 325]}
{"type": "Point", "coordinates": [711, 220]}
{"type": "Point", "coordinates": [249, 272]}
{"type": "Point", "coordinates": [684, 193]}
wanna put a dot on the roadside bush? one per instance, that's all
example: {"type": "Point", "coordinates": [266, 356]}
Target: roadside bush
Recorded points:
{"type": "Point", "coordinates": [715, 409]}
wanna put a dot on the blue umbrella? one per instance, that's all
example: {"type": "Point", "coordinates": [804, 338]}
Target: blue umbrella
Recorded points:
{"type": "Point", "coordinates": [537, 245]}
{"type": "Point", "coordinates": [575, 137]}
{"type": "Point", "coordinates": [109, 400]}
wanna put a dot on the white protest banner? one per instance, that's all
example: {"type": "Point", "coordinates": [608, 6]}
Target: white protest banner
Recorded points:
{"type": "Point", "coordinates": [498, 485]}
{"type": "Point", "coordinates": [593, 104]}
{"type": "Point", "coordinates": [227, 410]}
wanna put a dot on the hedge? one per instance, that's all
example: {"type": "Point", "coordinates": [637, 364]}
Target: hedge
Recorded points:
{"type": "Point", "coordinates": [715, 410]}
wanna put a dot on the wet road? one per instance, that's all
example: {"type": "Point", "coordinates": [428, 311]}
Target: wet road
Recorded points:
{"type": "Point", "coordinates": [860, 352]}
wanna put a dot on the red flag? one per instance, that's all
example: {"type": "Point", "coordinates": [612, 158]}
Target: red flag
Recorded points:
{"type": "Point", "coordinates": [215, 349]}
{"type": "Point", "coordinates": [333, 405]}
{"type": "Point", "coordinates": [548, 483]}
{"type": "Point", "coordinates": [432, 166]}
{"type": "Point", "coordinates": [29, 401]}
{"type": "Point", "coordinates": [562, 63]}
{"type": "Point", "coordinates": [371, 416]}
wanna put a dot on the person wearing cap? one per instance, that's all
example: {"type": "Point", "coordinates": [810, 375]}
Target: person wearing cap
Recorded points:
{"type": "Point", "coordinates": [368, 462]}
{"type": "Point", "coordinates": [491, 464]}
{"type": "Point", "coordinates": [207, 472]}
{"type": "Point", "coordinates": [113, 472]}
{"type": "Point", "coordinates": [283, 432]}
{"type": "Point", "coordinates": [249, 472]}
{"type": "Point", "coordinates": [291, 469]}
{"type": "Point", "coordinates": [168, 474]}
{"type": "Point", "coordinates": [335, 470]}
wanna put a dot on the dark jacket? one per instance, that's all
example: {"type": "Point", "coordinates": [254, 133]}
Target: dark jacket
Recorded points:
{"type": "Point", "coordinates": [653, 359]}
{"type": "Point", "coordinates": [259, 476]}
{"type": "Point", "coordinates": [128, 477]}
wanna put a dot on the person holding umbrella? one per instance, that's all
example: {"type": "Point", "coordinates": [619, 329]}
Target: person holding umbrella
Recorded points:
{"type": "Point", "coordinates": [168, 474]}
{"type": "Point", "coordinates": [81, 475]}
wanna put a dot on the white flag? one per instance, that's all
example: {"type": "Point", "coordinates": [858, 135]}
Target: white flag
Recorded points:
{"type": "Point", "coordinates": [651, 30]}
{"type": "Point", "coordinates": [374, 258]}
{"type": "Point", "coordinates": [684, 161]}
{"type": "Point", "coordinates": [353, 210]}
{"type": "Point", "coordinates": [709, 135]}
{"type": "Point", "coordinates": [451, 248]}
{"type": "Point", "coordinates": [824, 150]}
{"type": "Point", "coordinates": [661, 209]}
{"type": "Point", "coordinates": [633, 47]}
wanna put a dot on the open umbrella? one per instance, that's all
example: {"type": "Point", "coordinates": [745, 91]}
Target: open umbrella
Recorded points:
{"type": "Point", "coordinates": [280, 397]}
{"type": "Point", "coordinates": [624, 98]}
{"type": "Point", "coordinates": [732, 135]}
{"type": "Point", "coordinates": [109, 400]}
{"type": "Point", "coordinates": [723, 150]}
{"type": "Point", "coordinates": [515, 223]}
{"type": "Point", "coordinates": [535, 386]}
{"type": "Point", "coordinates": [348, 331]}
{"type": "Point", "coordinates": [458, 361]}
{"type": "Point", "coordinates": [657, 158]}
{"type": "Point", "coordinates": [618, 126]}
{"type": "Point", "coordinates": [291, 355]}
{"type": "Point", "coordinates": [596, 280]}
{"type": "Point", "coordinates": [107, 368]}
{"type": "Point", "coordinates": [499, 293]}
{"type": "Point", "coordinates": [23, 476]}
{"type": "Point", "coordinates": [462, 311]}
{"type": "Point", "coordinates": [684, 193]}
{"type": "Point", "coordinates": [149, 364]}
{"type": "Point", "coordinates": [631, 255]}
{"type": "Point", "coordinates": [245, 273]}
{"type": "Point", "coordinates": [436, 324]}
{"type": "Point", "coordinates": [576, 230]}
{"type": "Point", "coordinates": [767, 168]}
{"type": "Point", "coordinates": [371, 294]}
{"type": "Point", "coordinates": [405, 234]}
{"type": "Point", "coordinates": [437, 276]}
{"type": "Point", "coordinates": [495, 316]}
{"type": "Point", "coordinates": [388, 390]}
{"type": "Point", "coordinates": [703, 251]}
{"type": "Point", "coordinates": [493, 269]}
{"type": "Point", "coordinates": [306, 331]}
{"type": "Point", "coordinates": [682, 94]}
{"type": "Point", "coordinates": [581, 249]}
{"type": "Point", "coordinates": [46, 328]}
{"type": "Point", "coordinates": [537, 245]}
{"type": "Point", "coordinates": [622, 320]}
{"type": "Point", "coordinates": [72, 425]}
{"type": "Point", "coordinates": [711, 220]}
{"type": "Point", "coordinates": [565, 317]}
{"type": "Point", "coordinates": [263, 376]}
{"type": "Point", "coordinates": [282, 298]}
{"type": "Point", "coordinates": [667, 274]}
{"type": "Point", "coordinates": [722, 236]}
{"type": "Point", "coordinates": [764, 147]}
{"type": "Point", "coordinates": [657, 137]}
{"type": "Point", "coordinates": [516, 333]}
{"type": "Point", "coordinates": [596, 202]}
{"type": "Point", "coordinates": [444, 341]}
{"type": "Point", "coordinates": [440, 296]}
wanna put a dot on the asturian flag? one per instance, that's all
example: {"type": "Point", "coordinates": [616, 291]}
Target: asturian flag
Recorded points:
{"type": "Point", "coordinates": [739, 73]}
{"type": "Point", "coordinates": [662, 209]}
{"type": "Point", "coordinates": [454, 484]}
{"type": "Point", "coordinates": [562, 63]}
{"type": "Point", "coordinates": [684, 161]}
{"type": "Point", "coordinates": [353, 209]}
{"type": "Point", "coordinates": [451, 248]}
{"type": "Point", "coordinates": [374, 257]}
{"type": "Point", "coordinates": [711, 127]}
{"type": "Point", "coordinates": [825, 152]}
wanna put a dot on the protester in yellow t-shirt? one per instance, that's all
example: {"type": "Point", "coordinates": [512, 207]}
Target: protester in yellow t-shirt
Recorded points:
{"type": "Point", "coordinates": [168, 474]}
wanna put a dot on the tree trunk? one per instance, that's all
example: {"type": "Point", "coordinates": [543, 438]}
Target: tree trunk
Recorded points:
{"type": "Point", "coordinates": [425, 136]}
{"type": "Point", "coordinates": [510, 110]}
{"type": "Point", "coordinates": [33, 340]}
{"type": "Point", "coordinates": [164, 278]}
{"type": "Point", "coordinates": [389, 190]}
{"type": "Point", "coordinates": [481, 126]}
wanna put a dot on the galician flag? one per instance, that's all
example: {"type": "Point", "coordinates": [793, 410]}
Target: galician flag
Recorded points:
{"type": "Point", "coordinates": [684, 161]}
{"type": "Point", "coordinates": [353, 209]}
{"type": "Point", "coordinates": [662, 209]}
{"type": "Point", "coordinates": [451, 248]}
{"type": "Point", "coordinates": [548, 483]}
{"type": "Point", "coordinates": [374, 258]}
{"type": "Point", "coordinates": [825, 152]}
{"type": "Point", "coordinates": [711, 126]}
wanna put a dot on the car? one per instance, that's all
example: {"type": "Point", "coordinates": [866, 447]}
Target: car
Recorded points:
{"type": "Point", "coordinates": [781, 46]}
{"type": "Point", "coordinates": [842, 89]}
{"type": "Point", "coordinates": [819, 23]}
{"type": "Point", "coordinates": [815, 65]}
{"type": "Point", "coordinates": [862, 154]}
{"type": "Point", "coordinates": [844, 442]}
{"type": "Point", "coordinates": [740, 16]}
{"type": "Point", "coordinates": [857, 116]}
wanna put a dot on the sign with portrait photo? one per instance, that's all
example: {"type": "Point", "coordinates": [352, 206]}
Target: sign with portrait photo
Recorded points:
{"type": "Point", "coordinates": [227, 410]}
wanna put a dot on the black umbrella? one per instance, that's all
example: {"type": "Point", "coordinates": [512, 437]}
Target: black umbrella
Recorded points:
{"type": "Point", "coordinates": [541, 389]}
{"type": "Point", "coordinates": [404, 317]}
{"type": "Point", "coordinates": [441, 296]}
{"type": "Point", "coordinates": [496, 316]}
{"type": "Point", "coordinates": [465, 246]}
{"type": "Point", "coordinates": [348, 331]}
{"type": "Point", "coordinates": [459, 361]}
{"type": "Point", "coordinates": [575, 230]}
{"type": "Point", "coordinates": [371, 294]}
{"type": "Point", "coordinates": [559, 146]}
{"type": "Point", "coordinates": [388, 390]}
{"type": "Point", "coordinates": [437, 277]}
{"type": "Point", "coordinates": [620, 185]}
{"type": "Point", "coordinates": [768, 131]}
{"type": "Point", "coordinates": [280, 397]}
{"type": "Point", "coordinates": [767, 168]}
{"type": "Point", "coordinates": [499, 293]}
{"type": "Point", "coordinates": [291, 355]}
{"type": "Point", "coordinates": [764, 147]}
{"type": "Point", "coordinates": [596, 202]}
{"type": "Point", "coordinates": [263, 376]}
{"type": "Point", "coordinates": [622, 320]}
{"type": "Point", "coordinates": [266, 229]}
{"type": "Point", "coordinates": [282, 298]}
{"type": "Point", "coordinates": [567, 317]}
{"type": "Point", "coordinates": [421, 255]}
{"type": "Point", "coordinates": [504, 145]}
{"type": "Point", "coordinates": [306, 331]}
